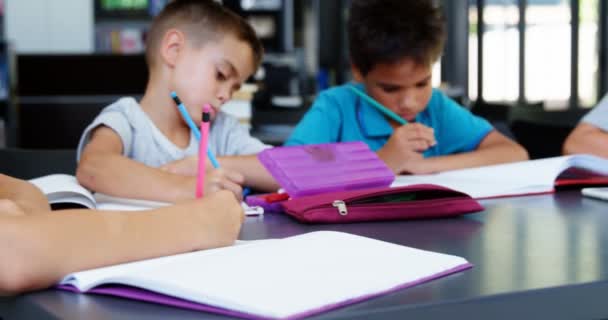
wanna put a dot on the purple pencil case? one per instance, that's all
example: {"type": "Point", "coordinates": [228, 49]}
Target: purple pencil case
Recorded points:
{"type": "Point", "coordinates": [323, 168]}
{"type": "Point", "coordinates": [420, 201]}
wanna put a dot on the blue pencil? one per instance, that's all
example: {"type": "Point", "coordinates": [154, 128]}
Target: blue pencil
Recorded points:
{"type": "Point", "coordinates": [377, 105]}
{"type": "Point", "coordinates": [193, 127]}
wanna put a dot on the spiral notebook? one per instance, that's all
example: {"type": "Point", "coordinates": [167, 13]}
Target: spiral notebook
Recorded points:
{"type": "Point", "coordinates": [288, 278]}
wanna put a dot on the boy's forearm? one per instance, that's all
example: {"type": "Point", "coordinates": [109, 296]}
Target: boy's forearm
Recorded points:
{"type": "Point", "coordinates": [496, 154]}
{"type": "Point", "coordinates": [256, 175]}
{"type": "Point", "coordinates": [122, 177]}
{"type": "Point", "coordinates": [39, 249]}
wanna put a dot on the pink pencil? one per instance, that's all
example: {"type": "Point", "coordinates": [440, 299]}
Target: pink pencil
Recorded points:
{"type": "Point", "coordinates": [202, 150]}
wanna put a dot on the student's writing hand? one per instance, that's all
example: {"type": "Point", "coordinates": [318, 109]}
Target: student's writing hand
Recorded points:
{"type": "Point", "coordinates": [220, 215]}
{"type": "Point", "coordinates": [187, 166]}
{"type": "Point", "coordinates": [218, 179]}
{"type": "Point", "coordinates": [403, 150]}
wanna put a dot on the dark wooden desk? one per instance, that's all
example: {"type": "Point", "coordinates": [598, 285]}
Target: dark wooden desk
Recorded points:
{"type": "Point", "coordinates": [535, 257]}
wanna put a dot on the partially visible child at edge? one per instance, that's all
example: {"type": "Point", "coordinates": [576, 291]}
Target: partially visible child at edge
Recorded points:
{"type": "Point", "coordinates": [38, 246]}
{"type": "Point", "coordinates": [393, 45]}
{"type": "Point", "coordinates": [142, 150]}
{"type": "Point", "coordinates": [591, 133]}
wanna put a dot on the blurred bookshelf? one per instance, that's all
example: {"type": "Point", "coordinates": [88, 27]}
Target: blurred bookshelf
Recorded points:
{"type": "Point", "coordinates": [121, 25]}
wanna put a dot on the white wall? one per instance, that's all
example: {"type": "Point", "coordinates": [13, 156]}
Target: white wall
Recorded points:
{"type": "Point", "coordinates": [50, 26]}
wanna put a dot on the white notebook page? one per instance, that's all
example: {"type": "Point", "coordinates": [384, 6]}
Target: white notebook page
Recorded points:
{"type": "Point", "coordinates": [279, 278]}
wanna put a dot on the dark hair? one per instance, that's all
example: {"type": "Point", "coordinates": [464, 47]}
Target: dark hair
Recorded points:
{"type": "Point", "coordinates": [387, 31]}
{"type": "Point", "coordinates": [202, 21]}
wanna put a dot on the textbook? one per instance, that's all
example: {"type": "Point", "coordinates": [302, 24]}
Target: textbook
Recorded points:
{"type": "Point", "coordinates": [518, 178]}
{"type": "Point", "coordinates": [64, 192]}
{"type": "Point", "coordinates": [288, 278]}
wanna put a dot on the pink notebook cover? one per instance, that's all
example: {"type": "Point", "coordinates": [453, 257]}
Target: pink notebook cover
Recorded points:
{"type": "Point", "coordinates": [321, 168]}
{"type": "Point", "coordinates": [153, 297]}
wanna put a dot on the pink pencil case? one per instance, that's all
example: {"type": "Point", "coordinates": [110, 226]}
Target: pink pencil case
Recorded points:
{"type": "Point", "coordinates": [422, 201]}
{"type": "Point", "coordinates": [321, 168]}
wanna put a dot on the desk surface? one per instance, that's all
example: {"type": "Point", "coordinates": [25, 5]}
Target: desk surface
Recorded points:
{"type": "Point", "coordinates": [539, 256]}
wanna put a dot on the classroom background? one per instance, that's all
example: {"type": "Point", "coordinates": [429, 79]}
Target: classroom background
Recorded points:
{"type": "Point", "coordinates": [532, 67]}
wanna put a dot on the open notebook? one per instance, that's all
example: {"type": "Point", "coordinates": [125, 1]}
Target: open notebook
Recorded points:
{"type": "Point", "coordinates": [518, 178]}
{"type": "Point", "coordinates": [285, 279]}
{"type": "Point", "coordinates": [64, 191]}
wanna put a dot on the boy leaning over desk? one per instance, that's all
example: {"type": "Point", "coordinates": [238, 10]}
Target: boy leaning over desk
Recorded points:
{"type": "Point", "coordinates": [144, 149]}
{"type": "Point", "coordinates": [392, 107]}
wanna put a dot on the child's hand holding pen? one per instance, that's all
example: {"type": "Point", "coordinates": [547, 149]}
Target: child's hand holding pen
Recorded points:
{"type": "Point", "coordinates": [403, 150]}
{"type": "Point", "coordinates": [215, 180]}
{"type": "Point", "coordinates": [188, 167]}
{"type": "Point", "coordinates": [220, 179]}
{"type": "Point", "coordinates": [197, 133]}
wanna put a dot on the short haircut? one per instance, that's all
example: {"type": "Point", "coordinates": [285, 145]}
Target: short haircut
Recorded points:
{"type": "Point", "coordinates": [202, 21]}
{"type": "Point", "coordinates": [388, 31]}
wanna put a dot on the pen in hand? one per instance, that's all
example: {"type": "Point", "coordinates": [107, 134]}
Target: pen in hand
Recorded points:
{"type": "Point", "coordinates": [197, 134]}
{"type": "Point", "coordinates": [182, 110]}
{"type": "Point", "coordinates": [200, 181]}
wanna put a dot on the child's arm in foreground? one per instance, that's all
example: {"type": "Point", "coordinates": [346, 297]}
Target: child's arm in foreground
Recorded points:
{"type": "Point", "coordinates": [36, 251]}
{"type": "Point", "coordinates": [103, 168]}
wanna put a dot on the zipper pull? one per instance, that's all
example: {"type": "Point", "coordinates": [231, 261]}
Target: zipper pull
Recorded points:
{"type": "Point", "coordinates": [342, 210]}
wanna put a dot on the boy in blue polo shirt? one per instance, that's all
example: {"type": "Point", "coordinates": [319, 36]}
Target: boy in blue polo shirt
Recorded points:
{"type": "Point", "coordinates": [393, 45]}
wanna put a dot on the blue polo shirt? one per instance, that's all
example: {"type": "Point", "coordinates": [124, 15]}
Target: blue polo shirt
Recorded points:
{"type": "Point", "coordinates": [339, 115]}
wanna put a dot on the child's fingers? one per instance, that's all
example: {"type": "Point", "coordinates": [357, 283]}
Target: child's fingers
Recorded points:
{"type": "Point", "coordinates": [235, 177]}
{"type": "Point", "coordinates": [416, 131]}
{"type": "Point", "coordinates": [236, 189]}
{"type": "Point", "coordinates": [419, 145]}
{"type": "Point", "coordinates": [425, 133]}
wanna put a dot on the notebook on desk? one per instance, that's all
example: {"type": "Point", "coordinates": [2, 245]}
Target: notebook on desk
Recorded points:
{"type": "Point", "coordinates": [64, 192]}
{"type": "Point", "coordinates": [518, 178]}
{"type": "Point", "coordinates": [286, 278]}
